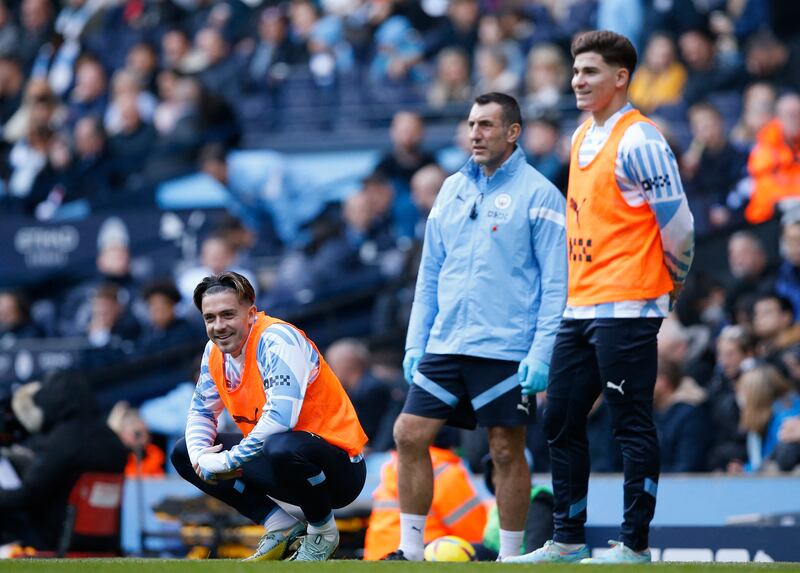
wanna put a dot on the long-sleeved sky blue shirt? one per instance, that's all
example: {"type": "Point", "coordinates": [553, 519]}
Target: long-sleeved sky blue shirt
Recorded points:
{"type": "Point", "coordinates": [492, 281]}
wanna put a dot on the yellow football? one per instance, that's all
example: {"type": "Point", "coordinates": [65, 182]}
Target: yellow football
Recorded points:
{"type": "Point", "coordinates": [449, 548]}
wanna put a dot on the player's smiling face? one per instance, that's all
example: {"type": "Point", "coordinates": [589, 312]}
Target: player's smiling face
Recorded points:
{"type": "Point", "coordinates": [227, 320]}
{"type": "Point", "coordinates": [595, 82]}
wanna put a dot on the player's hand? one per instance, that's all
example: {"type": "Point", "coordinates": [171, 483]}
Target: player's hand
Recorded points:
{"type": "Point", "coordinates": [212, 466]}
{"type": "Point", "coordinates": [410, 363]}
{"type": "Point", "coordinates": [532, 374]}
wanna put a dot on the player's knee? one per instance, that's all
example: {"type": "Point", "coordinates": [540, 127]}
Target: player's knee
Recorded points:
{"type": "Point", "coordinates": [506, 452]}
{"type": "Point", "coordinates": [179, 456]}
{"type": "Point", "coordinates": [553, 422]}
{"type": "Point", "coordinates": [277, 453]}
{"type": "Point", "coordinates": [408, 436]}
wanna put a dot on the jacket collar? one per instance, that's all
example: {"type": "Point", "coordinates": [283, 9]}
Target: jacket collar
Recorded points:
{"type": "Point", "coordinates": [472, 170]}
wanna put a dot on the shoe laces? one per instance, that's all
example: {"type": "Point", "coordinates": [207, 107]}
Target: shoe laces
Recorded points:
{"type": "Point", "coordinates": [315, 548]}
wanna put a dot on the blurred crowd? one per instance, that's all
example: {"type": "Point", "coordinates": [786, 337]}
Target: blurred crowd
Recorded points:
{"type": "Point", "coordinates": [102, 100]}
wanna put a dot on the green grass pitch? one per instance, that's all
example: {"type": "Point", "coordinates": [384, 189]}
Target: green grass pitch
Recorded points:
{"type": "Point", "coordinates": [230, 566]}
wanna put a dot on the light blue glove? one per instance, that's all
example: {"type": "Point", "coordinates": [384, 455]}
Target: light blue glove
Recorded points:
{"type": "Point", "coordinates": [410, 363]}
{"type": "Point", "coordinates": [532, 375]}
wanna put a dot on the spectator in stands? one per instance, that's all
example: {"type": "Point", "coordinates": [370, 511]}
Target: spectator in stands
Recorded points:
{"type": "Point", "coordinates": [687, 346]}
{"type": "Point", "coordinates": [27, 161]}
{"type": "Point", "coordinates": [735, 350]}
{"type": "Point", "coordinates": [175, 49]}
{"type": "Point", "coordinates": [68, 438]}
{"type": "Point", "coordinates": [303, 14]}
{"type": "Point", "coordinates": [459, 29]}
{"type": "Point", "coordinates": [113, 265]}
{"type": "Point", "coordinates": [131, 144]}
{"type": "Point", "coordinates": [180, 123]}
{"type": "Point", "coordinates": [90, 171]}
{"type": "Point", "coordinates": [350, 360]}
{"type": "Point", "coordinates": [89, 96]}
{"type": "Point", "coordinates": [452, 81]}
{"type": "Point", "coordinates": [11, 83]}
{"type": "Point", "coordinates": [125, 84]}
{"type": "Point", "coordinates": [748, 265]}
{"type": "Point", "coordinates": [220, 71]}
{"type": "Point", "coordinates": [543, 147]}
{"type": "Point", "coordinates": [453, 157]}
{"type": "Point", "coordinates": [397, 59]}
{"type": "Point", "coordinates": [492, 73]}
{"type": "Point", "coordinates": [710, 169]}
{"type": "Point", "coordinates": [216, 255]}
{"type": "Point", "coordinates": [681, 420]}
{"type": "Point", "coordinates": [9, 32]}
{"type": "Point", "coordinates": [145, 458]}
{"type": "Point", "coordinates": [768, 59]}
{"type": "Point", "coordinates": [110, 325]}
{"type": "Point", "coordinates": [425, 186]}
{"type": "Point", "coordinates": [142, 63]}
{"type": "Point", "coordinates": [767, 400]}
{"type": "Point", "coordinates": [787, 452]}
{"type": "Point", "coordinates": [660, 78]}
{"type": "Point", "coordinates": [546, 77]}
{"type": "Point", "coordinates": [774, 163]}
{"type": "Point", "coordinates": [15, 317]}
{"type": "Point", "coordinates": [40, 108]}
{"type": "Point", "coordinates": [456, 508]}
{"type": "Point", "coordinates": [165, 329]}
{"type": "Point", "coordinates": [707, 73]}
{"type": "Point", "coordinates": [407, 154]}
{"type": "Point", "coordinates": [758, 108]}
{"type": "Point", "coordinates": [787, 284]}
{"type": "Point", "coordinates": [36, 19]}
{"type": "Point", "coordinates": [774, 327]}
{"type": "Point", "coordinates": [269, 63]}
{"type": "Point", "coordinates": [494, 32]}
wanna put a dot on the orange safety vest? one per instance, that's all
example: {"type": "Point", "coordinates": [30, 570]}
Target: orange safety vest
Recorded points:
{"type": "Point", "coordinates": [774, 166]}
{"type": "Point", "coordinates": [615, 250]}
{"type": "Point", "coordinates": [152, 464]}
{"type": "Point", "coordinates": [456, 509]}
{"type": "Point", "coordinates": [326, 411]}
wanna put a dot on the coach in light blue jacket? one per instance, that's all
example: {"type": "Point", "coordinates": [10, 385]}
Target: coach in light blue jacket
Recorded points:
{"type": "Point", "coordinates": [490, 293]}
{"type": "Point", "coordinates": [493, 277]}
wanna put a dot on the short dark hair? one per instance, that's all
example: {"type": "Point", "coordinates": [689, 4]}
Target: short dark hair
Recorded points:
{"type": "Point", "coordinates": [615, 49]}
{"type": "Point", "coordinates": [784, 303]}
{"type": "Point", "coordinates": [511, 112]}
{"type": "Point", "coordinates": [228, 280]}
{"type": "Point", "coordinates": [164, 287]}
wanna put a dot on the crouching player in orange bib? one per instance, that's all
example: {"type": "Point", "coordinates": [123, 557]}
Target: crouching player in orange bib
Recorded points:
{"type": "Point", "coordinates": [301, 441]}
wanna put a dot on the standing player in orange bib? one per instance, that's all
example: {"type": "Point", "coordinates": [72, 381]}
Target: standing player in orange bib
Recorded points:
{"type": "Point", "coordinates": [631, 242]}
{"type": "Point", "coordinates": [301, 440]}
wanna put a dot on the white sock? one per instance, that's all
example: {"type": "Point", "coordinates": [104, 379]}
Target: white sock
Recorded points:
{"type": "Point", "coordinates": [412, 536]}
{"type": "Point", "coordinates": [327, 528]}
{"type": "Point", "coordinates": [278, 520]}
{"type": "Point", "coordinates": [570, 547]}
{"type": "Point", "coordinates": [510, 543]}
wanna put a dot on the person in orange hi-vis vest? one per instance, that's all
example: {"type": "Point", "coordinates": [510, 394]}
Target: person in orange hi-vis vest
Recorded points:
{"type": "Point", "coordinates": [456, 508]}
{"type": "Point", "coordinates": [301, 441]}
{"type": "Point", "coordinates": [774, 163]}
{"type": "Point", "coordinates": [630, 240]}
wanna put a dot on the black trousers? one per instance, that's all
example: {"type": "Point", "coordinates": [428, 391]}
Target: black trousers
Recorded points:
{"type": "Point", "coordinates": [619, 358]}
{"type": "Point", "coordinates": [296, 467]}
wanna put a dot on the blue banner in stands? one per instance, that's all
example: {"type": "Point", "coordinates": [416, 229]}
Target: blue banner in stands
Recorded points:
{"type": "Point", "coordinates": [762, 543]}
{"type": "Point", "coordinates": [35, 252]}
